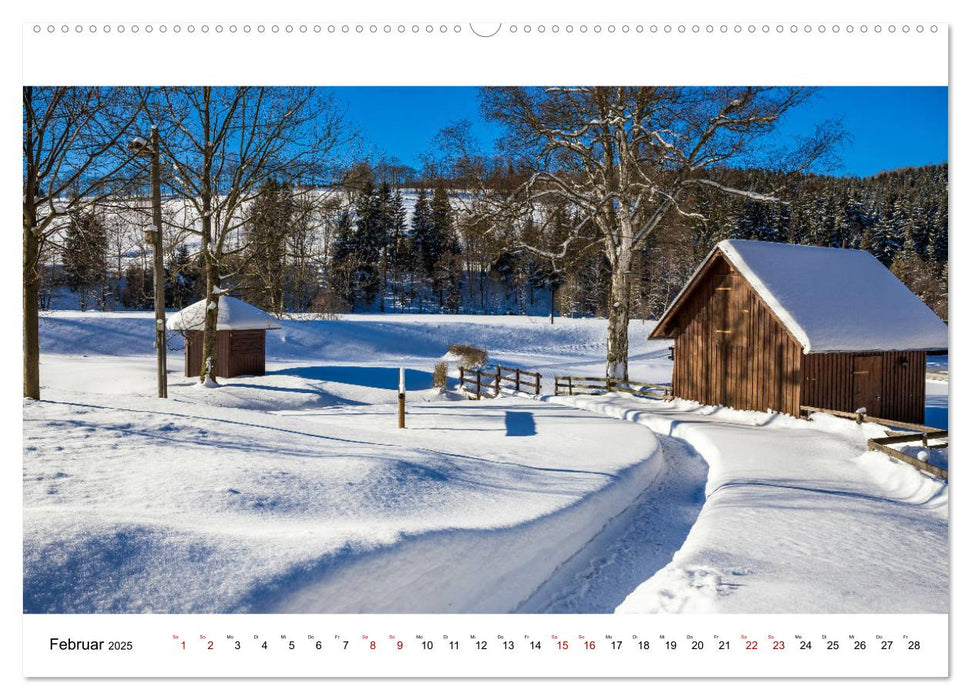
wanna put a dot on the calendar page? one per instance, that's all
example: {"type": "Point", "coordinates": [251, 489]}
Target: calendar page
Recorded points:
{"type": "Point", "coordinates": [427, 347]}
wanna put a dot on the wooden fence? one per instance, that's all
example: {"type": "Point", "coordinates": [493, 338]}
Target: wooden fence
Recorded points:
{"type": "Point", "coordinates": [516, 379]}
{"type": "Point", "coordinates": [488, 384]}
{"type": "Point", "coordinates": [914, 433]}
{"type": "Point", "coordinates": [591, 386]}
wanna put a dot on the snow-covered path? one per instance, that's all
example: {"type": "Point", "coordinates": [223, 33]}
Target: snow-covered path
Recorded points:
{"type": "Point", "coordinates": [798, 517]}
{"type": "Point", "coordinates": [136, 504]}
{"type": "Point", "coordinates": [635, 545]}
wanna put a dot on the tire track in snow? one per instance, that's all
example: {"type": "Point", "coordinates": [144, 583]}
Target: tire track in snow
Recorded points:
{"type": "Point", "coordinates": [634, 545]}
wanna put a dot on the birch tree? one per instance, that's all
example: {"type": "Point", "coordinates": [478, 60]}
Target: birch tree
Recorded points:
{"type": "Point", "coordinates": [218, 145]}
{"type": "Point", "coordinates": [74, 150]}
{"type": "Point", "coordinates": [626, 159]}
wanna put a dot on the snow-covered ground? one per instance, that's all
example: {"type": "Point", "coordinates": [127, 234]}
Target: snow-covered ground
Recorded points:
{"type": "Point", "coordinates": [798, 517]}
{"type": "Point", "coordinates": [295, 491]}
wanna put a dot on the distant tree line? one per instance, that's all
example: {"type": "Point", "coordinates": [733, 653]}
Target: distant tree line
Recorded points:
{"type": "Point", "coordinates": [367, 251]}
{"type": "Point", "coordinates": [900, 216]}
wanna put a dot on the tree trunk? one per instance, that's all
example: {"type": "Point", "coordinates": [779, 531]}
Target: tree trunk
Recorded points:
{"type": "Point", "coordinates": [618, 317]}
{"type": "Point", "coordinates": [207, 373]}
{"type": "Point", "coordinates": [31, 320]}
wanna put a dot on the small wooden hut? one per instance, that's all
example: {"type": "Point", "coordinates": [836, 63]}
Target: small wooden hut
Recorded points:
{"type": "Point", "coordinates": [240, 337]}
{"type": "Point", "coordinates": [772, 326]}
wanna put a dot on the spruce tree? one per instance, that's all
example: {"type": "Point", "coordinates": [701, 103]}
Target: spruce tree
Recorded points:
{"type": "Point", "coordinates": [343, 264]}
{"type": "Point", "coordinates": [424, 243]}
{"type": "Point", "coordinates": [84, 258]}
{"type": "Point", "coordinates": [272, 219]}
{"type": "Point", "coordinates": [447, 261]}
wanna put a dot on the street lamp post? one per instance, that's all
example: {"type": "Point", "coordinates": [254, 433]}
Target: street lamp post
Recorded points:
{"type": "Point", "coordinates": [153, 235]}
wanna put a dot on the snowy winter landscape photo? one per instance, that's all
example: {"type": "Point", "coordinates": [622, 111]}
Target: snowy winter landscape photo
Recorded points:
{"type": "Point", "coordinates": [503, 350]}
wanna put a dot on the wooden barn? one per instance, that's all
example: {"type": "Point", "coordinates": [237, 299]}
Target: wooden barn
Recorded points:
{"type": "Point", "coordinates": [240, 337]}
{"type": "Point", "coordinates": [772, 326]}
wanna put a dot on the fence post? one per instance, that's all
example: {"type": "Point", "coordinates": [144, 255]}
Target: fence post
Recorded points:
{"type": "Point", "coordinates": [539, 378]}
{"type": "Point", "coordinates": [570, 383]}
{"type": "Point", "coordinates": [517, 380]}
{"type": "Point", "coordinates": [461, 377]}
{"type": "Point", "coordinates": [608, 385]}
{"type": "Point", "coordinates": [401, 398]}
{"type": "Point", "coordinates": [498, 374]}
{"type": "Point", "coordinates": [478, 384]}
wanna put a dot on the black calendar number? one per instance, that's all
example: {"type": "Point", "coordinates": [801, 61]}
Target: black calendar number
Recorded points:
{"type": "Point", "coordinates": [237, 645]}
{"type": "Point", "coordinates": [724, 645]}
{"type": "Point", "coordinates": [859, 645]}
{"type": "Point", "coordinates": [428, 645]}
{"type": "Point", "coordinates": [617, 644]}
{"type": "Point", "coordinates": [833, 645]}
{"type": "Point", "coordinates": [697, 645]}
{"type": "Point", "coordinates": [536, 645]}
{"type": "Point", "coordinates": [482, 645]}
{"type": "Point", "coordinates": [346, 642]}
{"type": "Point", "coordinates": [913, 645]}
{"type": "Point", "coordinates": [886, 645]}
{"type": "Point", "coordinates": [292, 645]}
{"type": "Point", "coordinates": [453, 645]}
{"type": "Point", "coordinates": [509, 645]}
{"type": "Point", "coordinates": [319, 645]}
{"type": "Point", "coordinates": [672, 645]}
{"type": "Point", "coordinates": [264, 645]}
{"type": "Point", "coordinates": [805, 646]}
{"type": "Point", "coordinates": [643, 645]}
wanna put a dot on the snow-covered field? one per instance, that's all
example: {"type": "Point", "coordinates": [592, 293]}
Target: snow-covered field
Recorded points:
{"type": "Point", "coordinates": [296, 492]}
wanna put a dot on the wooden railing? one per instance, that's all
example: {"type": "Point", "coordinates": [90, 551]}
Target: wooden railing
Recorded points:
{"type": "Point", "coordinates": [915, 432]}
{"type": "Point", "coordinates": [862, 417]}
{"type": "Point", "coordinates": [882, 445]}
{"type": "Point", "coordinates": [516, 379]}
{"type": "Point", "coordinates": [488, 384]}
{"type": "Point", "coordinates": [472, 381]}
{"type": "Point", "coordinates": [584, 386]}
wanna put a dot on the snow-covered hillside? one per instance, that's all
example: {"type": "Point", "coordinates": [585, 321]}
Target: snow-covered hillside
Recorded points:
{"type": "Point", "coordinates": [295, 491]}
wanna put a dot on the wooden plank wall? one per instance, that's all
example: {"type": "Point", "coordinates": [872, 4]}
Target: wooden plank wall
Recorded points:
{"type": "Point", "coordinates": [828, 383]}
{"type": "Point", "coordinates": [756, 365]}
{"type": "Point", "coordinates": [246, 353]}
{"type": "Point", "coordinates": [193, 353]}
{"type": "Point", "coordinates": [237, 353]}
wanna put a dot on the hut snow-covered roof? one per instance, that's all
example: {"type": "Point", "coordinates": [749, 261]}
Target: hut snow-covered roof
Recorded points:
{"type": "Point", "coordinates": [829, 299]}
{"type": "Point", "coordinates": [234, 315]}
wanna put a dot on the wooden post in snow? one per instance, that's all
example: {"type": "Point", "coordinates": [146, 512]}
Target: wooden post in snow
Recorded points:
{"type": "Point", "coordinates": [401, 398]}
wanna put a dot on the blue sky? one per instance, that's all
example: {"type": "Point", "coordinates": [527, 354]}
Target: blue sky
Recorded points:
{"type": "Point", "coordinates": [889, 127]}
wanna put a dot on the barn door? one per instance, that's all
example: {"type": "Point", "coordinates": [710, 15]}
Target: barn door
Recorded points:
{"type": "Point", "coordinates": [867, 380]}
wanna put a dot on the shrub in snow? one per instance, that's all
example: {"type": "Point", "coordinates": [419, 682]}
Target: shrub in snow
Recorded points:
{"type": "Point", "coordinates": [329, 306]}
{"type": "Point", "coordinates": [440, 375]}
{"type": "Point", "coordinates": [468, 356]}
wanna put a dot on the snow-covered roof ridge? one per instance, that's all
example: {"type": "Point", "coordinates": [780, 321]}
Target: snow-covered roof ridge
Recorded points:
{"type": "Point", "coordinates": [836, 299]}
{"type": "Point", "coordinates": [233, 315]}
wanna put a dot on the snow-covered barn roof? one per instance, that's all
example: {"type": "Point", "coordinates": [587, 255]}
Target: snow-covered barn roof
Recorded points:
{"type": "Point", "coordinates": [829, 299]}
{"type": "Point", "coordinates": [233, 315]}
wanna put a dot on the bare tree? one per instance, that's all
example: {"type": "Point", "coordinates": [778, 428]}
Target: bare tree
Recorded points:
{"type": "Point", "coordinates": [627, 158]}
{"type": "Point", "coordinates": [219, 144]}
{"type": "Point", "coordinates": [73, 147]}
